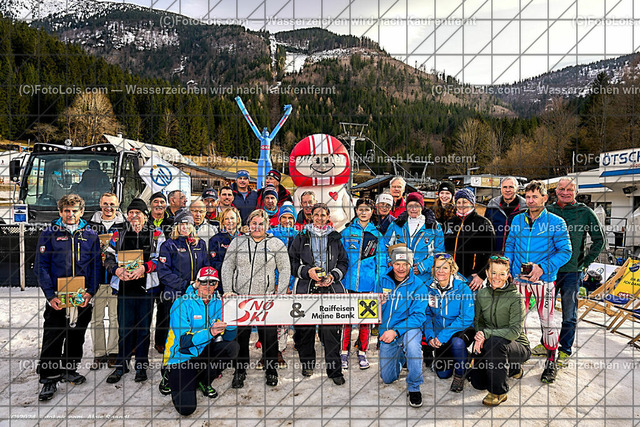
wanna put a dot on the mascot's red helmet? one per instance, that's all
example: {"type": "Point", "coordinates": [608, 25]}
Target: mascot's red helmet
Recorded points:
{"type": "Point", "coordinates": [319, 159]}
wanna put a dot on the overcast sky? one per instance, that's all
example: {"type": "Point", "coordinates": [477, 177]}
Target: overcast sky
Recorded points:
{"type": "Point", "coordinates": [477, 41]}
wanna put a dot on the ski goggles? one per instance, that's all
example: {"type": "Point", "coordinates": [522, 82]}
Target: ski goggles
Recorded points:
{"type": "Point", "coordinates": [500, 259]}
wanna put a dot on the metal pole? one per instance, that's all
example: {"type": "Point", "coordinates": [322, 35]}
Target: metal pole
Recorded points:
{"type": "Point", "coordinates": [352, 155]}
{"type": "Point", "coordinates": [23, 271]}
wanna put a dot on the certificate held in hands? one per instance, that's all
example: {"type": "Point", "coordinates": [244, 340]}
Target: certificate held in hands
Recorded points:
{"type": "Point", "coordinates": [68, 290]}
{"type": "Point", "coordinates": [130, 260]}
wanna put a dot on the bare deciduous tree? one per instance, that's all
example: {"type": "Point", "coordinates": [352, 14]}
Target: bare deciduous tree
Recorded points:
{"type": "Point", "coordinates": [88, 118]}
{"type": "Point", "coordinates": [43, 132]}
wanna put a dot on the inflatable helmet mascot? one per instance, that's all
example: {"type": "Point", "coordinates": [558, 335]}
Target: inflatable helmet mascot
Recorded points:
{"type": "Point", "coordinates": [320, 163]}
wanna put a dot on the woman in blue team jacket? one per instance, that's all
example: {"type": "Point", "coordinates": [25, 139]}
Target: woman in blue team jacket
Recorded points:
{"type": "Point", "coordinates": [199, 344]}
{"type": "Point", "coordinates": [230, 222]}
{"type": "Point", "coordinates": [181, 257]}
{"type": "Point", "coordinates": [367, 262]}
{"type": "Point", "coordinates": [420, 232]}
{"type": "Point", "coordinates": [449, 326]}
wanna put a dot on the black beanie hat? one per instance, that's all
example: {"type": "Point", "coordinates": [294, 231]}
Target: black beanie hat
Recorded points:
{"type": "Point", "coordinates": [140, 205]}
{"type": "Point", "coordinates": [447, 186]}
{"type": "Point", "coordinates": [158, 194]}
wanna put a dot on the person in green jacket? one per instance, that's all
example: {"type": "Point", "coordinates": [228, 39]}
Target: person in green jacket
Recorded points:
{"type": "Point", "coordinates": [581, 220]}
{"type": "Point", "coordinates": [501, 345]}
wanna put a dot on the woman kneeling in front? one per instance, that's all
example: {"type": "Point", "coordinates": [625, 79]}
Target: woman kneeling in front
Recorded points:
{"type": "Point", "coordinates": [501, 345]}
{"type": "Point", "coordinates": [449, 326]}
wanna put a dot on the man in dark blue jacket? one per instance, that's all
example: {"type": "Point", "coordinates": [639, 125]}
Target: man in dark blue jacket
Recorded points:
{"type": "Point", "coordinates": [501, 210]}
{"type": "Point", "coordinates": [245, 199]}
{"type": "Point", "coordinates": [67, 248]}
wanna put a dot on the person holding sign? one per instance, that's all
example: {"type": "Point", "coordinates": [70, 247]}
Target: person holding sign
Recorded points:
{"type": "Point", "coordinates": [367, 262]}
{"type": "Point", "coordinates": [501, 345]}
{"type": "Point", "coordinates": [448, 330]}
{"type": "Point", "coordinates": [249, 268]}
{"type": "Point", "coordinates": [199, 345]}
{"type": "Point", "coordinates": [68, 256]}
{"type": "Point", "coordinates": [319, 261]}
{"type": "Point", "coordinates": [133, 259]}
{"type": "Point", "coordinates": [181, 257]}
{"type": "Point", "coordinates": [403, 314]}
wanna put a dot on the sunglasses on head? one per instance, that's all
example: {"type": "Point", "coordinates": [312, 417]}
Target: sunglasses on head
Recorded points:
{"type": "Point", "coordinates": [499, 258]}
{"type": "Point", "coordinates": [442, 255]}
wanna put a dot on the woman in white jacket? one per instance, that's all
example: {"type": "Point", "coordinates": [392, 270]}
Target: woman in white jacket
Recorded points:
{"type": "Point", "coordinates": [249, 268]}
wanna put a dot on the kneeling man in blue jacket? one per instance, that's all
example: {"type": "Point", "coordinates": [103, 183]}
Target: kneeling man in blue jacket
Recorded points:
{"type": "Point", "coordinates": [403, 314]}
{"type": "Point", "coordinates": [199, 345]}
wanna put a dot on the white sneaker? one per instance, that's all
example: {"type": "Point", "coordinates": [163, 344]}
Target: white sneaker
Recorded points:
{"type": "Point", "coordinates": [344, 358]}
{"type": "Point", "coordinates": [363, 362]}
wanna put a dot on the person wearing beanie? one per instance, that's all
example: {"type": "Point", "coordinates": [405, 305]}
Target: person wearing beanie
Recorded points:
{"type": "Point", "coordinates": [286, 232]}
{"type": "Point", "coordinates": [470, 238]}
{"type": "Point", "coordinates": [136, 283]}
{"type": "Point", "coordinates": [181, 257]}
{"type": "Point", "coordinates": [270, 204]}
{"type": "Point", "coordinates": [466, 194]}
{"type": "Point", "coordinates": [416, 197]}
{"type": "Point", "coordinates": [159, 218]}
{"type": "Point", "coordinates": [444, 207]}
{"type": "Point", "coordinates": [382, 217]}
{"type": "Point", "coordinates": [403, 314]}
{"type": "Point", "coordinates": [419, 231]}
{"type": "Point", "coordinates": [244, 198]}
{"type": "Point", "coordinates": [365, 249]}
{"type": "Point", "coordinates": [502, 209]}
{"type": "Point", "coordinates": [139, 205]}
{"type": "Point", "coordinates": [273, 179]}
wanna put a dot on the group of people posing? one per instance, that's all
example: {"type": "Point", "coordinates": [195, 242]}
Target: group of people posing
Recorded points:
{"type": "Point", "coordinates": [455, 285]}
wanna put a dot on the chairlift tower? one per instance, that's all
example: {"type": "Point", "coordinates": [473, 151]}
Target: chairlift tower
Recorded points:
{"type": "Point", "coordinates": [353, 132]}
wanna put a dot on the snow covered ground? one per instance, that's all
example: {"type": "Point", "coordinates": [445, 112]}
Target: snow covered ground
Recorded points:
{"type": "Point", "coordinates": [601, 386]}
